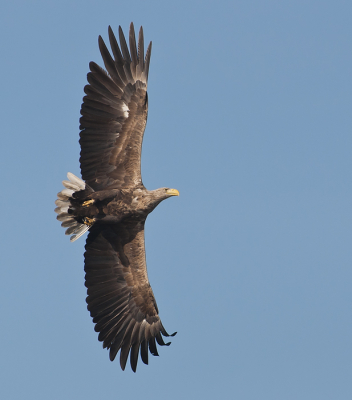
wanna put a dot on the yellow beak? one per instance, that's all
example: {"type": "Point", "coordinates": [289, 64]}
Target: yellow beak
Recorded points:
{"type": "Point", "coordinates": [172, 192]}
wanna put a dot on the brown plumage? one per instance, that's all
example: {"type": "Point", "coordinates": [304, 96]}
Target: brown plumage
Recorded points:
{"type": "Point", "coordinates": [112, 203]}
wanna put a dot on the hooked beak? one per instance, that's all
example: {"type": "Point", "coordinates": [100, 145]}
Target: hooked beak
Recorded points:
{"type": "Point", "coordinates": [172, 192]}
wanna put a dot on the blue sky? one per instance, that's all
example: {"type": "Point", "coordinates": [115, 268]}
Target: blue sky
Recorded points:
{"type": "Point", "coordinates": [250, 119]}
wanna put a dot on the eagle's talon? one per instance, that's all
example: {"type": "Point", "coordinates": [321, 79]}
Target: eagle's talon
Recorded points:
{"type": "Point", "coordinates": [88, 221]}
{"type": "Point", "coordinates": [87, 203]}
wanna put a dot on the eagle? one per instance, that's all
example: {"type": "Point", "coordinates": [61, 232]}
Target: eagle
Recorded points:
{"type": "Point", "coordinates": [111, 202]}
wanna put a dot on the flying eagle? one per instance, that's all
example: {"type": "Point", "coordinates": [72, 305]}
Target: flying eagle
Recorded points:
{"type": "Point", "coordinates": [112, 203]}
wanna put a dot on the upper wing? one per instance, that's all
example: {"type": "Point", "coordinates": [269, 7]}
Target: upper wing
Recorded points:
{"type": "Point", "coordinates": [120, 298]}
{"type": "Point", "coordinates": [114, 114]}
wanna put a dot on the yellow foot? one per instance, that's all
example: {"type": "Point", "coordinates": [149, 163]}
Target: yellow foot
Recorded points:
{"type": "Point", "coordinates": [88, 203]}
{"type": "Point", "coordinates": [88, 221]}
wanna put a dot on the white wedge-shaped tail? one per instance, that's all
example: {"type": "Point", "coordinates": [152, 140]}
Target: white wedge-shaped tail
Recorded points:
{"type": "Point", "coordinates": [74, 228]}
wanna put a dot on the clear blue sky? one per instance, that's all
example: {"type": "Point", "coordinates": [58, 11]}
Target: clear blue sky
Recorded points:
{"type": "Point", "coordinates": [250, 119]}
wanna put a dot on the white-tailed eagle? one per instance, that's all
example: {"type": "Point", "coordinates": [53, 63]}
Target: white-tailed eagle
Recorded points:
{"type": "Point", "coordinates": [111, 202]}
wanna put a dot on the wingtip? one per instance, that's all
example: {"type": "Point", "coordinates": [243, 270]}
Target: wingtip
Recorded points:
{"type": "Point", "coordinates": [110, 31]}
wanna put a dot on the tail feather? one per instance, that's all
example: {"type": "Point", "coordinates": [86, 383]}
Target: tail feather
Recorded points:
{"type": "Point", "coordinates": [68, 222]}
{"type": "Point", "coordinates": [64, 217]}
{"type": "Point", "coordinates": [75, 180]}
{"type": "Point", "coordinates": [63, 202]}
{"type": "Point", "coordinates": [70, 185]}
{"type": "Point", "coordinates": [73, 228]}
{"type": "Point", "coordinates": [67, 192]}
{"type": "Point", "coordinates": [77, 234]}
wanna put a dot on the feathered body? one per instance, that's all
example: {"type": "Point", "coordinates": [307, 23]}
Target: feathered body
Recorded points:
{"type": "Point", "coordinates": [112, 202]}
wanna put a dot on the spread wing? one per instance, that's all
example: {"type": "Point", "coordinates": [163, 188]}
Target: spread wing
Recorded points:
{"type": "Point", "coordinates": [114, 114]}
{"type": "Point", "coordinates": [120, 298]}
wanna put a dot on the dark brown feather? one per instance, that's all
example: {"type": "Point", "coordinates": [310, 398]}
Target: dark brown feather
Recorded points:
{"type": "Point", "coordinates": [134, 356]}
{"type": "Point", "coordinates": [147, 60]}
{"type": "Point", "coordinates": [124, 48]}
{"type": "Point", "coordinates": [117, 55]}
{"type": "Point", "coordinates": [144, 351]}
{"type": "Point", "coordinates": [141, 49]}
{"type": "Point", "coordinates": [110, 63]}
{"type": "Point", "coordinates": [152, 346]}
{"type": "Point", "coordinates": [133, 50]}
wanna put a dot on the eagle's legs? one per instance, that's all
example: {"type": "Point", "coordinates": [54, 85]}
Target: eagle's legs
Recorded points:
{"type": "Point", "coordinates": [89, 221]}
{"type": "Point", "coordinates": [88, 203]}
